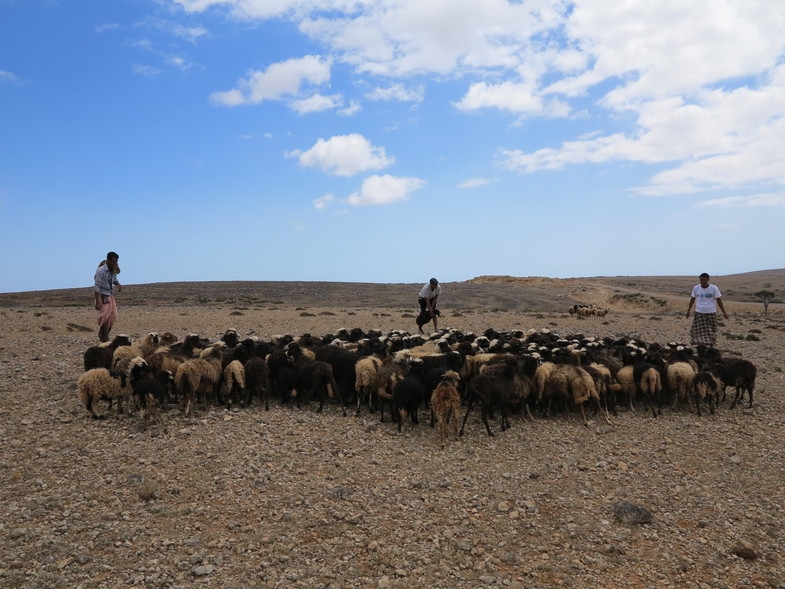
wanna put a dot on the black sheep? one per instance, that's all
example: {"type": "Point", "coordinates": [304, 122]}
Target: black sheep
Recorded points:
{"type": "Point", "coordinates": [257, 381]}
{"type": "Point", "coordinates": [101, 356]}
{"type": "Point", "coordinates": [408, 395]}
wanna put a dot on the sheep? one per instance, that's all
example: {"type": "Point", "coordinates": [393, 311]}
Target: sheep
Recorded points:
{"type": "Point", "coordinates": [150, 390]}
{"type": "Point", "coordinates": [256, 381]}
{"type": "Point", "coordinates": [98, 384]}
{"type": "Point", "coordinates": [100, 356]}
{"type": "Point", "coordinates": [408, 395]}
{"type": "Point", "coordinates": [581, 387]}
{"type": "Point", "coordinates": [146, 346]}
{"type": "Point", "coordinates": [490, 392]}
{"type": "Point", "coordinates": [343, 363]}
{"type": "Point", "coordinates": [603, 381]}
{"type": "Point", "coordinates": [170, 357]}
{"type": "Point", "coordinates": [199, 376]}
{"type": "Point", "coordinates": [314, 376]}
{"type": "Point", "coordinates": [707, 386]}
{"type": "Point", "coordinates": [233, 384]}
{"type": "Point", "coordinates": [390, 373]}
{"type": "Point", "coordinates": [280, 371]}
{"type": "Point", "coordinates": [366, 381]}
{"type": "Point", "coordinates": [499, 385]}
{"type": "Point", "coordinates": [740, 374]}
{"type": "Point", "coordinates": [446, 404]}
{"type": "Point", "coordinates": [472, 364]}
{"type": "Point", "coordinates": [680, 377]}
{"type": "Point", "coordinates": [649, 383]}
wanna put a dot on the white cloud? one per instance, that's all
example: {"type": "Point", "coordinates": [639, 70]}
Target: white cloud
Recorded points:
{"type": "Point", "coordinates": [323, 201]}
{"type": "Point", "coordinates": [353, 108]}
{"type": "Point", "coordinates": [316, 103]}
{"type": "Point", "coordinates": [396, 92]}
{"type": "Point", "coordinates": [279, 80]}
{"type": "Point", "coordinates": [698, 91]}
{"type": "Point", "coordinates": [9, 78]}
{"type": "Point", "coordinates": [145, 70]}
{"type": "Point", "coordinates": [507, 95]}
{"type": "Point", "coordinates": [384, 190]}
{"type": "Point", "coordinates": [102, 28]}
{"type": "Point", "coordinates": [344, 155]}
{"type": "Point", "coordinates": [475, 182]}
{"type": "Point", "coordinates": [752, 201]}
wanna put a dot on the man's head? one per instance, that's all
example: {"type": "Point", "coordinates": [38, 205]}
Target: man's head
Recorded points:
{"type": "Point", "coordinates": [434, 283]}
{"type": "Point", "coordinates": [112, 256]}
{"type": "Point", "coordinates": [704, 279]}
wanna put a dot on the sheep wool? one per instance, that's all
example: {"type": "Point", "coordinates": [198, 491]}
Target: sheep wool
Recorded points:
{"type": "Point", "coordinates": [98, 384]}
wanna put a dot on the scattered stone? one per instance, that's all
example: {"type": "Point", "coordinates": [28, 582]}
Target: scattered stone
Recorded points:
{"type": "Point", "coordinates": [745, 550]}
{"type": "Point", "coordinates": [204, 570]}
{"type": "Point", "coordinates": [630, 513]}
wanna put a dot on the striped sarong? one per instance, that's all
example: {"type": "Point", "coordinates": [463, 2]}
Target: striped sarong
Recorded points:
{"type": "Point", "coordinates": [704, 329]}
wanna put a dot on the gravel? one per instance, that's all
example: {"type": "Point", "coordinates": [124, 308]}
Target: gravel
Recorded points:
{"type": "Point", "coordinates": [292, 498]}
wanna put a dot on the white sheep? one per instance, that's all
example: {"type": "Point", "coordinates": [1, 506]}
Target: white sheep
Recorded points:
{"type": "Point", "coordinates": [681, 376]}
{"type": "Point", "coordinates": [366, 380]}
{"type": "Point", "coordinates": [144, 347]}
{"type": "Point", "coordinates": [98, 384]}
{"type": "Point", "coordinates": [233, 385]}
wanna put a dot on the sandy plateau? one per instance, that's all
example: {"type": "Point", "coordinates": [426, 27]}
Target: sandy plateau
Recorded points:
{"type": "Point", "coordinates": [292, 498]}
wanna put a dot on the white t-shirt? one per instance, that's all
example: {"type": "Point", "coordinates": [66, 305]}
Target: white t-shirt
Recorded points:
{"type": "Point", "coordinates": [706, 298]}
{"type": "Point", "coordinates": [427, 293]}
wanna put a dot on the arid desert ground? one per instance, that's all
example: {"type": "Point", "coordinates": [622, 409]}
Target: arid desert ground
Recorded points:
{"type": "Point", "coordinates": [293, 498]}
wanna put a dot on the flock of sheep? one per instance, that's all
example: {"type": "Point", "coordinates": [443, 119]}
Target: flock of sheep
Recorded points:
{"type": "Point", "coordinates": [448, 373]}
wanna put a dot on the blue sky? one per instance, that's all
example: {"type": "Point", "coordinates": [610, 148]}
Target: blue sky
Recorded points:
{"type": "Point", "coordinates": [389, 140]}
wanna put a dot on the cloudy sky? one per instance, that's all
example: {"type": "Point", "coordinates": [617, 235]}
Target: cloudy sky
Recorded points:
{"type": "Point", "coordinates": [389, 140]}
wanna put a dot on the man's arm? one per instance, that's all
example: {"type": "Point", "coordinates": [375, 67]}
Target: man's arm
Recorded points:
{"type": "Point", "coordinates": [692, 301]}
{"type": "Point", "coordinates": [721, 305]}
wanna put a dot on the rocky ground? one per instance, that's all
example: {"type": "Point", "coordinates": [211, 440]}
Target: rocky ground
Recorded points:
{"type": "Point", "coordinates": [292, 498]}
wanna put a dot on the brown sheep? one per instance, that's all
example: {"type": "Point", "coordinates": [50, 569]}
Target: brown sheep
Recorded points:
{"type": "Point", "coordinates": [446, 404]}
{"type": "Point", "coordinates": [199, 376]}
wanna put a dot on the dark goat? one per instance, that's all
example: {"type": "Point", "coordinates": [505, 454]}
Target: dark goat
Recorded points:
{"type": "Point", "coordinates": [314, 376]}
{"type": "Point", "coordinates": [498, 385]}
{"type": "Point", "coordinates": [740, 374]}
{"type": "Point", "coordinates": [257, 381]}
{"type": "Point", "coordinates": [101, 356]}
{"type": "Point", "coordinates": [151, 391]}
{"type": "Point", "coordinates": [707, 385]}
{"type": "Point", "coordinates": [408, 395]}
{"type": "Point", "coordinates": [343, 363]}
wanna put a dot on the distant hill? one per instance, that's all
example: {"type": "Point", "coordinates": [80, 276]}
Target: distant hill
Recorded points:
{"type": "Point", "coordinates": [535, 294]}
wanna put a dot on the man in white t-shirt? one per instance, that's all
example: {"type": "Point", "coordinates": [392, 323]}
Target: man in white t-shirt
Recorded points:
{"type": "Point", "coordinates": [706, 297]}
{"type": "Point", "coordinates": [427, 299]}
